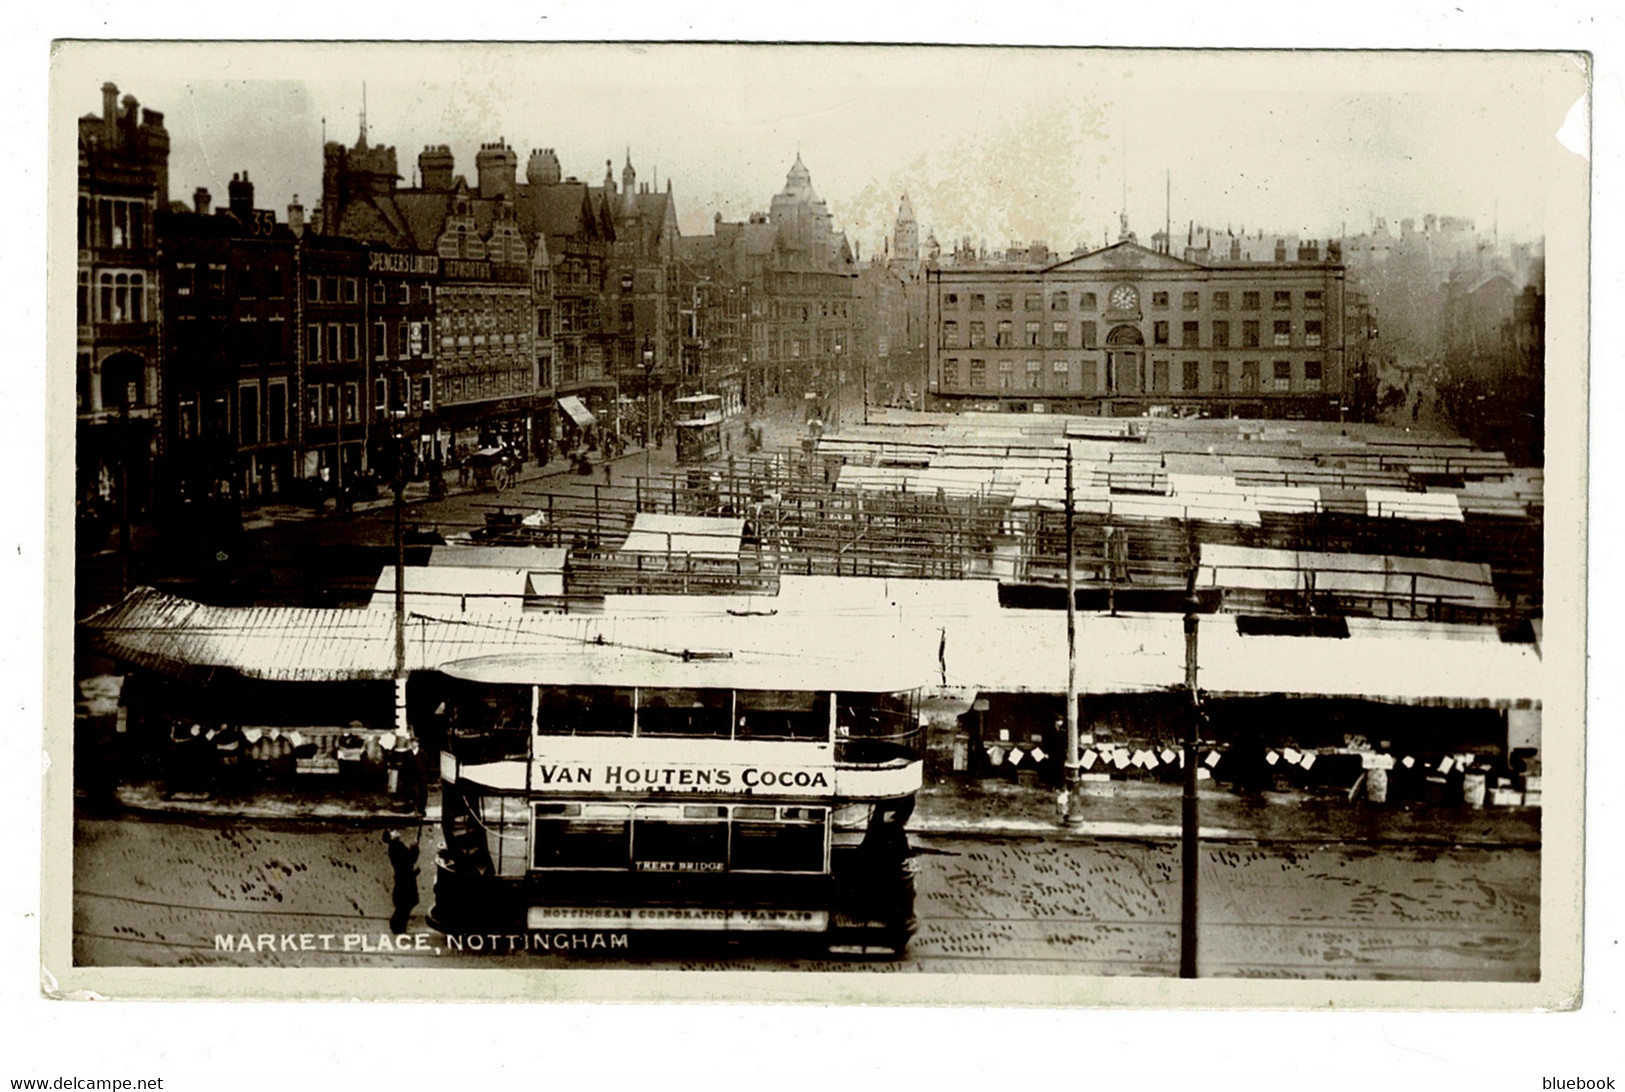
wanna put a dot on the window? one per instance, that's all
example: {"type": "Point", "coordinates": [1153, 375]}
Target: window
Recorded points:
{"type": "Point", "coordinates": [1221, 376]}
{"type": "Point", "coordinates": [978, 334]}
{"type": "Point", "coordinates": [1311, 332]}
{"type": "Point", "coordinates": [352, 290]}
{"type": "Point", "coordinates": [380, 340]}
{"type": "Point", "coordinates": [1058, 334]}
{"type": "Point", "coordinates": [1249, 334]}
{"type": "Point", "coordinates": [313, 343]}
{"type": "Point", "coordinates": [950, 335]}
{"type": "Point", "coordinates": [1035, 375]}
{"type": "Point", "coordinates": [330, 289]}
{"type": "Point", "coordinates": [1283, 333]}
{"type": "Point", "coordinates": [122, 297]}
{"type": "Point", "coordinates": [380, 396]}
{"type": "Point", "coordinates": [313, 404]}
{"type": "Point", "coordinates": [1190, 376]}
{"type": "Point", "coordinates": [1190, 301]}
{"type": "Point", "coordinates": [1057, 302]}
{"type": "Point", "coordinates": [1007, 365]}
{"type": "Point", "coordinates": [950, 299]}
{"type": "Point", "coordinates": [1311, 375]}
{"type": "Point", "coordinates": [1314, 301]}
{"type": "Point", "coordinates": [1283, 375]}
{"type": "Point", "coordinates": [950, 372]}
{"type": "Point", "coordinates": [1005, 302]}
{"type": "Point", "coordinates": [1249, 301]}
{"type": "Point", "coordinates": [1221, 334]}
{"type": "Point", "coordinates": [403, 340]}
{"type": "Point", "coordinates": [84, 297]}
{"type": "Point", "coordinates": [1283, 301]}
{"type": "Point", "coordinates": [582, 836]}
{"type": "Point", "coordinates": [352, 403]}
{"type": "Point", "coordinates": [248, 414]}
{"type": "Point", "coordinates": [332, 352]}
{"type": "Point", "coordinates": [403, 293]}
{"type": "Point", "coordinates": [1086, 375]}
{"type": "Point", "coordinates": [313, 289]}
{"type": "Point", "coordinates": [1004, 337]}
{"type": "Point", "coordinates": [380, 294]}
{"type": "Point", "coordinates": [1087, 332]}
{"type": "Point", "coordinates": [1086, 301]}
{"type": "Point", "coordinates": [1159, 376]}
{"type": "Point", "coordinates": [276, 412]}
{"type": "Point", "coordinates": [1035, 333]}
{"type": "Point", "coordinates": [1159, 333]}
{"type": "Point", "coordinates": [1249, 376]}
{"type": "Point", "coordinates": [1032, 302]}
{"type": "Point", "coordinates": [978, 302]}
{"type": "Point", "coordinates": [352, 341]}
{"type": "Point", "coordinates": [1159, 299]}
{"type": "Point", "coordinates": [428, 340]}
{"type": "Point", "coordinates": [978, 373]}
{"type": "Point", "coordinates": [1190, 338]}
{"type": "Point", "coordinates": [1221, 301]}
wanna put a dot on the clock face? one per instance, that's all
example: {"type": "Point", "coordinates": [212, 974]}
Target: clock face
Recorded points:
{"type": "Point", "coordinates": [1124, 297]}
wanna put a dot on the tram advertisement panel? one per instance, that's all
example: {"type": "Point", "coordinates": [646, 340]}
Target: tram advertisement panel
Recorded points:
{"type": "Point", "coordinates": [697, 766]}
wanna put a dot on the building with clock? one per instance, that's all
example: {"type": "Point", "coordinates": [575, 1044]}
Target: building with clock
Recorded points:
{"type": "Point", "coordinates": [1126, 330]}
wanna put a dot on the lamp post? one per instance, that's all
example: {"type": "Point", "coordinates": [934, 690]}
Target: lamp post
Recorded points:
{"type": "Point", "coordinates": [648, 412]}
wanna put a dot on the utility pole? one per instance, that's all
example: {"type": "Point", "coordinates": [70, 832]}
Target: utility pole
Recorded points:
{"type": "Point", "coordinates": [1189, 844]}
{"type": "Point", "coordinates": [124, 494]}
{"type": "Point", "coordinates": [398, 483]}
{"type": "Point", "coordinates": [1070, 812]}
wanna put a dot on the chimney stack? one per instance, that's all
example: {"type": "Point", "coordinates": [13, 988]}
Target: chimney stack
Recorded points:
{"type": "Point", "coordinates": [296, 217]}
{"type": "Point", "coordinates": [240, 197]}
{"type": "Point", "coordinates": [435, 164]}
{"type": "Point", "coordinates": [109, 112]}
{"type": "Point", "coordinates": [200, 201]}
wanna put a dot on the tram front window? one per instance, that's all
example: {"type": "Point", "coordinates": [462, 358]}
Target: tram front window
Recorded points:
{"type": "Point", "coordinates": [769, 839]}
{"type": "Point", "coordinates": [875, 727]}
{"type": "Point", "coordinates": [582, 835]}
{"type": "Point", "coordinates": [686, 713]}
{"type": "Point", "coordinates": [489, 723]}
{"type": "Point", "coordinates": [782, 714]}
{"type": "Point", "coordinates": [585, 711]}
{"type": "Point", "coordinates": [680, 838]}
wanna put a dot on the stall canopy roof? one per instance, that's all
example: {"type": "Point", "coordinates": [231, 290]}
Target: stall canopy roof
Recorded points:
{"type": "Point", "coordinates": [577, 410]}
{"type": "Point", "coordinates": [912, 643]}
{"type": "Point", "coordinates": [697, 536]}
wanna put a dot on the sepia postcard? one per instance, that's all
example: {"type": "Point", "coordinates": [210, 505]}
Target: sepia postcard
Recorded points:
{"type": "Point", "coordinates": [847, 524]}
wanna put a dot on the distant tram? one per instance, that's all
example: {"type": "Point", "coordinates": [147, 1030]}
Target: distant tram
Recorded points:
{"type": "Point", "coordinates": [699, 428]}
{"type": "Point", "coordinates": [612, 787]}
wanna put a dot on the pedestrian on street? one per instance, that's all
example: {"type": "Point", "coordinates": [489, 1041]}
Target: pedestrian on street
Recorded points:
{"type": "Point", "coordinates": [609, 473]}
{"type": "Point", "coordinates": [403, 861]}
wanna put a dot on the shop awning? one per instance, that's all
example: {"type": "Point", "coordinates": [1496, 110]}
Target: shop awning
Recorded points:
{"type": "Point", "coordinates": [577, 410]}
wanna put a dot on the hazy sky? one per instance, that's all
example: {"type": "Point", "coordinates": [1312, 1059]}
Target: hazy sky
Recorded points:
{"type": "Point", "coordinates": [1001, 145]}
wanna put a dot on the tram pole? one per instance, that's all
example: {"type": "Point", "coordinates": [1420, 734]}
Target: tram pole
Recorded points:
{"type": "Point", "coordinates": [1190, 845]}
{"type": "Point", "coordinates": [1071, 813]}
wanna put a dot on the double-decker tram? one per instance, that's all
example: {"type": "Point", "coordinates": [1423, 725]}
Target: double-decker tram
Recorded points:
{"type": "Point", "coordinates": [628, 788]}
